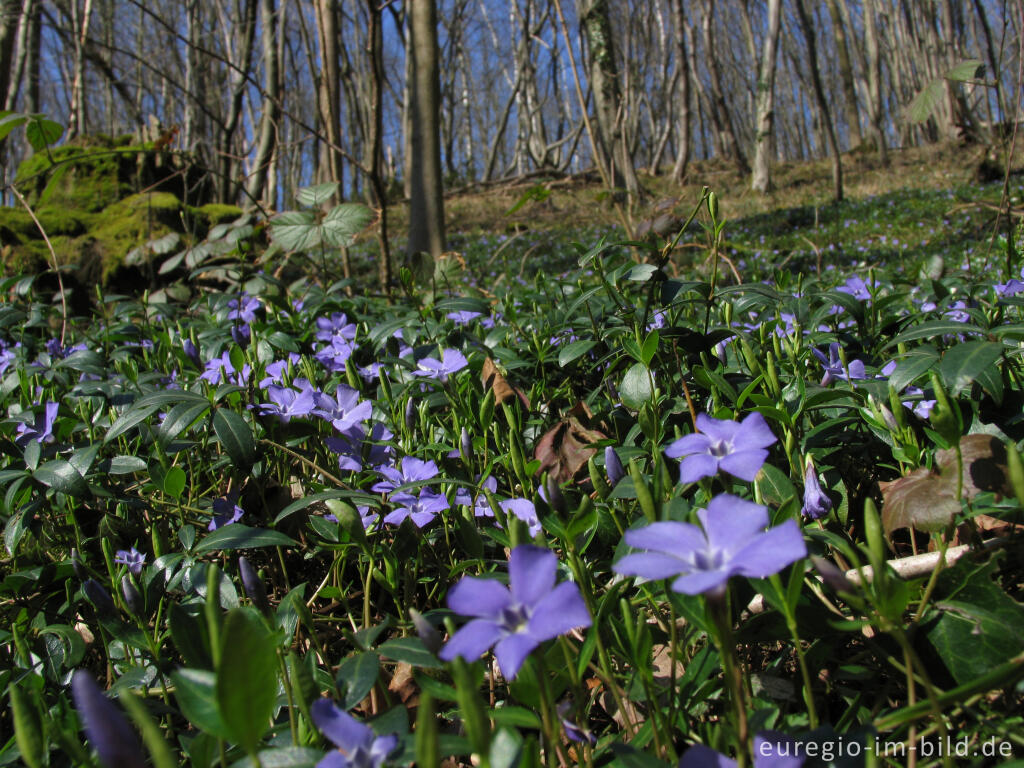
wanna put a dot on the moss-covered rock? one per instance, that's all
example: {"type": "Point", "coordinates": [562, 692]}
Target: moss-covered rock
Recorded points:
{"type": "Point", "coordinates": [210, 215]}
{"type": "Point", "coordinates": [125, 225]}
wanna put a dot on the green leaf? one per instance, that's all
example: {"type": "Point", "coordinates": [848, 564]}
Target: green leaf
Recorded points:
{"type": "Point", "coordinates": [42, 133]}
{"type": "Point", "coordinates": [970, 69]}
{"type": "Point", "coordinates": [924, 103]}
{"type": "Point", "coordinates": [572, 351]}
{"type": "Point", "coordinates": [190, 636]}
{"type": "Point", "coordinates": [125, 465]}
{"type": "Point", "coordinates": [195, 690]}
{"type": "Point", "coordinates": [238, 536]}
{"type": "Point", "coordinates": [9, 121]}
{"type": "Point", "coordinates": [174, 482]}
{"type": "Point", "coordinates": [641, 273]}
{"type": "Point", "coordinates": [295, 230]}
{"type": "Point", "coordinates": [963, 363]}
{"type": "Point", "coordinates": [915, 363]}
{"type": "Point", "coordinates": [247, 677]}
{"type": "Point", "coordinates": [316, 194]}
{"type": "Point", "coordinates": [180, 418]}
{"type": "Point", "coordinates": [62, 477]}
{"type": "Point", "coordinates": [129, 419]}
{"type": "Point", "coordinates": [358, 673]}
{"type": "Point", "coordinates": [236, 437]}
{"type": "Point", "coordinates": [933, 329]}
{"type": "Point", "coordinates": [775, 486]}
{"type": "Point", "coordinates": [344, 222]}
{"type": "Point", "coordinates": [635, 389]}
{"type": "Point", "coordinates": [977, 626]}
{"type": "Point", "coordinates": [410, 650]}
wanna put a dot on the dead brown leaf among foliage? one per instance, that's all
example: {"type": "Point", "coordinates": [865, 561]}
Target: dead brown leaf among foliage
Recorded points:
{"type": "Point", "coordinates": [564, 449]}
{"type": "Point", "coordinates": [504, 392]}
{"type": "Point", "coordinates": [927, 499]}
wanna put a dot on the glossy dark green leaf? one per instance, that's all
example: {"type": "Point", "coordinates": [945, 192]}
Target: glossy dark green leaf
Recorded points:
{"type": "Point", "coordinates": [189, 633]}
{"type": "Point", "coordinates": [963, 363]}
{"type": "Point", "coordinates": [126, 465]}
{"type": "Point", "coordinates": [410, 650]}
{"type": "Point", "coordinates": [570, 352]}
{"type": "Point", "coordinates": [179, 418]}
{"type": "Point", "coordinates": [62, 476]}
{"type": "Point", "coordinates": [635, 389]}
{"type": "Point", "coordinates": [239, 536]}
{"type": "Point", "coordinates": [357, 674]}
{"type": "Point", "coordinates": [246, 685]}
{"type": "Point", "coordinates": [236, 437]}
{"type": "Point", "coordinates": [195, 691]}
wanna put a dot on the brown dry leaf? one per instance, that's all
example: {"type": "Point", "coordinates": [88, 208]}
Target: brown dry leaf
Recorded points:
{"type": "Point", "coordinates": [503, 391]}
{"type": "Point", "coordinates": [564, 449]}
{"type": "Point", "coordinates": [927, 499]}
{"type": "Point", "coordinates": [403, 685]}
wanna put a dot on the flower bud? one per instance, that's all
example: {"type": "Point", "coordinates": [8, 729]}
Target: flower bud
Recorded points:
{"type": "Point", "coordinates": [553, 495]}
{"type": "Point", "coordinates": [76, 565]}
{"type": "Point", "coordinates": [431, 638]}
{"type": "Point", "coordinates": [410, 414]}
{"type": "Point", "coordinates": [833, 578]}
{"type": "Point", "coordinates": [816, 501]}
{"type": "Point", "coordinates": [105, 727]}
{"type": "Point", "coordinates": [132, 596]}
{"type": "Point", "coordinates": [613, 466]}
{"type": "Point", "coordinates": [253, 585]}
{"type": "Point", "coordinates": [100, 599]}
{"type": "Point", "coordinates": [466, 446]}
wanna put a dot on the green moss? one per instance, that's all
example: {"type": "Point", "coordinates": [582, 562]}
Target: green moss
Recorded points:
{"type": "Point", "coordinates": [212, 214]}
{"type": "Point", "coordinates": [129, 223]}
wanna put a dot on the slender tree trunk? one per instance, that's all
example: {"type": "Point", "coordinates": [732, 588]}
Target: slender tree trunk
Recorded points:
{"type": "Point", "coordinates": [426, 201]}
{"type": "Point", "coordinates": [271, 117]}
{"type": "Point", "coordinates": [726, 140]}
{"type": "Point", "coordinates": [852, 116]}
{"type": "Point", "coordinates": [329, 163]}
{"type": "Point", "coordinates": [683, 103]}
{"type": "Point", "coordinates": [11, 21]}
{"type": "Point", "coordinates": [764, 142]}
{"type": "Point", "coordinates": [604, 81]}
{"type": "Point", "coordinates": [876, 116]}
{"type": "Point", "coordinates": [819, 95]}
{"type": "Point", "coordinates": [374, 156]}
{"type": "Point", "coordinates": [80, 30]}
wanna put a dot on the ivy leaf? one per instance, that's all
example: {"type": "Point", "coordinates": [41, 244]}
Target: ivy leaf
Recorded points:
{"type": "Point", "coordinates": [975, 625]}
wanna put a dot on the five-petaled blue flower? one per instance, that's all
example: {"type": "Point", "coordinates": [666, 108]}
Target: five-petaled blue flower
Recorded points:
{"type": "Point", "coordinates": [731, 540]}
{"type": "Point", "coordinates": [132, 558]}
{"type": "Point", "coordinates": [41, 429]}
{"type": "Point", "coordinates": [451, 361]}
{"type": "Point", "coordinates": [737, 448]}
{"type": "Point", "coordinates": [357, 745]}
{"type": "Point", "coordinates": [833, 365]}
{"type": "Point", "coordinates": [518, 618]}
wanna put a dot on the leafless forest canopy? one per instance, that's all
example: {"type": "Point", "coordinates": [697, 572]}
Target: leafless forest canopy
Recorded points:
{"type": "Point", "coordinates": [271, 95]}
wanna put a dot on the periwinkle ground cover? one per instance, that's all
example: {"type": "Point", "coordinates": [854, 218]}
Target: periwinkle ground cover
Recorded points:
{"type": "Point", "coordinates": [286, 525]}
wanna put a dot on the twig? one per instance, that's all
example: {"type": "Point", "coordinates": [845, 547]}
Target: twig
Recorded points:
{"type": "Point", "coordinates": [56, 267]}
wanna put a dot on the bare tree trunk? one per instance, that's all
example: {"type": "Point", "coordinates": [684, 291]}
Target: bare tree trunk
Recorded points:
{"type": "Point", "coordinates": [374, 156]}
{"type": "Point", "coordinates": [604, 81]}
{"type": "Point", "coordinates": [850, 111]}
{"type": "Point", "coordinates": [329, 163]}
{"type": "Point", "coordinates": [11, 21]}
{"type": "Point", "coordinates": [725, 134]}
{"type": "Point", "coordinates": [764, 142]}
{"type": "Point", "coordinates": [271, 116]}
{"type": "Point", "coordinates": [426, 201]}
{"type": "Point", "coordinates": [874, 60]}
{"type": "Point", "coordinates": [22, 44]}
{"type": "Point", "coordinates": [819, 95]}
{"type": "Point", "coordinates": [683, 103]}
{"type": "Point", "coordinates": [80, 31]}
{"type": "Point", "coordinates": [227, 159]}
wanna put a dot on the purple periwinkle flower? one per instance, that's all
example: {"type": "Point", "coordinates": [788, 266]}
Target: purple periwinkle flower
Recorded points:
{"type": "Point", "coordinates": [286, 403]}
{"type": "Point", "coordinates": [816, 502]}
{"type": "Point", "coordinates": [731, 540]}
{"type": "Point", "coordinates": [421, 509]}
{"type": "Point", "coordinates": [344, 410]}
{"type": "Point", "coordinates": [335, 354]}
{"type": "Point", "coordinates": [518, 618]}
{"type": "Point", "coordinates": [463, 317]}
{"type": "Point", "coordinates": [132, 558]}
{"type": "Point", "coordinates": [335, 326]}
{"type": "Point", "coordinates": [412, 470]}
{"type": "Point", "coordinates": [833, 365]}
{"type": "Point", "coordinates": [244, 308]}
{"type": "Point", "coordinates": [856, 286]}
{"type": "Point", "coordinates": [771, 750]}
{"type": "Point", "coordinates": [357, 745]}
{"type": "Point", "coordinates": [481, 507]}
{"type": "Point", "coordinates": [105, 727]}
{"type": "Point", "coordinates": [451, 361]}
{"type": "Point", "coordinates": [41, 429]}
{"type": "Point", "coordinates": [525, 511]}
{"type": "Point", "coordinates": [737, 448]}
{"type": "Point", "coordinates": [225, 512]}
